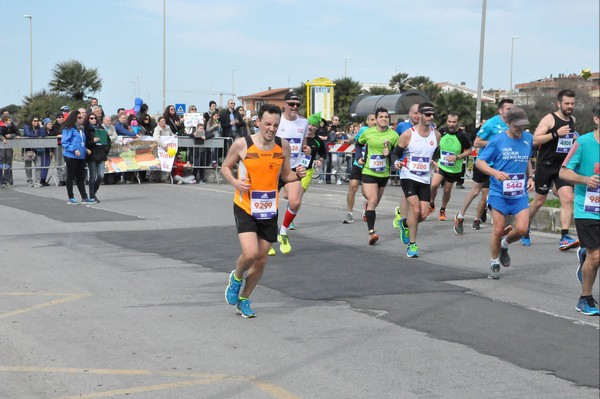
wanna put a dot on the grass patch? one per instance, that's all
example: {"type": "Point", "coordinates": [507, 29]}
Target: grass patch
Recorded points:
{"type": "Point", "coordinates": [550, 203]}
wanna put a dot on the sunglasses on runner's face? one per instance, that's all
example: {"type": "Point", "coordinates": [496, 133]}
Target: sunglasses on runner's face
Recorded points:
{"type": "Point", "coordinates": [293, 104]}
{"type": "Point", "coordinates": [429, 114]}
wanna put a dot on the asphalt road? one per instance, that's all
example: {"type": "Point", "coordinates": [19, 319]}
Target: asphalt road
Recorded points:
{"type": "Point", "coordinates": [125, 299]}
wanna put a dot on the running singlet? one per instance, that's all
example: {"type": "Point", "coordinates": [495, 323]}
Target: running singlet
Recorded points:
{"type": "Point", "coordinates": [418, 155]}
{"type": "Point", "coordinates": [555, 151]}
{"type": "Point", "coordinates": [376, 164]}
{"type": "Point", "coordinates": [262, 168]}
{"type": "Point", "coordinates": [512, 157]}
{"type": "Point", "coordinates": [294, 132]}
{"type": "Point", "coordinates": [584, 159]}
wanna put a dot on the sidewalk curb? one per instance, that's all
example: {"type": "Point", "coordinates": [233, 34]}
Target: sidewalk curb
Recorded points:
{"type": "Point", "coordinates": [548, 219]}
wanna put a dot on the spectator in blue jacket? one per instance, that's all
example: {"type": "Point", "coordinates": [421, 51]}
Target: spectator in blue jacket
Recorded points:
{"type": "Point", "coordinates": [74, 153]}
{"type": "Point", "coordinates": [122, 128]}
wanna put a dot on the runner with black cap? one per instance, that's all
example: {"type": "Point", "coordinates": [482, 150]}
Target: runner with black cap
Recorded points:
{"type": "Point", "coordinates": [418, 145]}
{"type": "Point", "coordinates": [294, 129]}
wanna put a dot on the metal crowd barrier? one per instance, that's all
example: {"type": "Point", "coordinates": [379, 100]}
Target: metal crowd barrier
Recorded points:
{"type": "Point", "coordinates": [21, 142]}
{"type": "Point", "coordinates": [217, 146]}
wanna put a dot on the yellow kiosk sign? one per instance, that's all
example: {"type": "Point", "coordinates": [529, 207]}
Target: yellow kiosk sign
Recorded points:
{"type": "Point", "coordinates": [319, 97]}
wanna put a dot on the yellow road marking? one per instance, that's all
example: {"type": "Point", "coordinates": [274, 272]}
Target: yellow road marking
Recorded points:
{"type": "Point", "coordinates": [149, 388]}
{"type": "Point", "coordinates": [65, 298]}
{"type": "Point", "coordinates": [198, 379]}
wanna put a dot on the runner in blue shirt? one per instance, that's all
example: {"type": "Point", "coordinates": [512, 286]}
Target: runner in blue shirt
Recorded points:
{"type": "Point", "coordinates": [481, 181]}
{"type": "Point", "coordinates": [510, 174]}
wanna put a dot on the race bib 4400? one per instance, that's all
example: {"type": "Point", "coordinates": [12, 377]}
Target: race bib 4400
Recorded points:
{"type": "Point", "coordinates": [565, 143]}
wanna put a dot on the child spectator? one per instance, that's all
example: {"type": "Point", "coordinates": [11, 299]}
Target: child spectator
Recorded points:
{"type": "Point", "coordinates": [182, 171]}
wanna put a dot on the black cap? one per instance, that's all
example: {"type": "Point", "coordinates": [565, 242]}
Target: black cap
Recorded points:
{"type": "Point", "coordinates": [426, 108]}
{"type": "Point", "coordinates": [291, 95]}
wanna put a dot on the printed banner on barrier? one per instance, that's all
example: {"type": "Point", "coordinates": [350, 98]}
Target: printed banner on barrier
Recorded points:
{"type": "Point", "coordinates": [133, 154]}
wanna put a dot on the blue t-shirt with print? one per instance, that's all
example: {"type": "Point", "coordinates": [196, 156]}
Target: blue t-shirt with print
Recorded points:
{"type": "Point", "coordinates": [491, 128]}
{"type": "Point", "coordinates": [512, 157]}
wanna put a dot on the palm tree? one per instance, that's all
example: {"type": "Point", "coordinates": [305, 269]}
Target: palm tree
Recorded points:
{"type": "Point", "coordinates": [419, 82]}
{"type": "Point", "coordinates": [44, 104]}
{"type": "Point", "coordinates": [73, 79]}
{"type": "Point", "coordinates": [345, 91]}
{"type": "Point", "coordinates": [399, 82]}
{"type": "Point", "coordinates": [432, 90]}
{"type": "Point", "coordinates": [457, 102]}
{"type": "Point", "coordinates": [380, 90]}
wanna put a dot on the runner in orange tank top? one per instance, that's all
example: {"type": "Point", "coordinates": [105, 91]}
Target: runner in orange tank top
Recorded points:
{"type": "Point", "coordinates": [263, 159]}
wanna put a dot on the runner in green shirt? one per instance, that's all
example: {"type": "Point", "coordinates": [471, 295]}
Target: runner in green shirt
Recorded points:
{"type": "Point", "coordinates": [454, 148]}
{"type": "Point", "coordinates": [380, 140]}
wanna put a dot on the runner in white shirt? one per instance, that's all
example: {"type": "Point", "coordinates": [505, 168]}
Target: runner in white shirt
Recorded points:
{"type": "Point", "coordinates": [418, 144]}
{"type": "Point", "coordinates": [293, 128]}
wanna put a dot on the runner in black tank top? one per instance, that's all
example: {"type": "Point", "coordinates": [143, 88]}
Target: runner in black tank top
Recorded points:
{"type": "Point", "coordinates": [554, 137]}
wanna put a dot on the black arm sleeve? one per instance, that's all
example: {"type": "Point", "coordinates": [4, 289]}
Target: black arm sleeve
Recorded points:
{"type": "Point", "coordinates": [396, 154]}
{"type": "Point", "coordinates": [436, 154]}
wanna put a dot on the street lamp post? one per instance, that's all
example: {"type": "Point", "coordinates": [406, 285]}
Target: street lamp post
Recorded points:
{"type": "Point", "coordinates": [480, 73]}
{"type": "Point", "coordinates": [30, 17]}
{"type": "Point", "coordinates": [512, 49]}
{"type": "Point", "coordinates": [346, 66]}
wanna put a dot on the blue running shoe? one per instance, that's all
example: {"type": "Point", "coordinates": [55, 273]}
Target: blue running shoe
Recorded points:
{"type": "Point", "coordinates": [587, 307]}
{"type": "Point", "coordinates": [72, 201]}
{"type": "Point", "coordinates": [567, 242]}
{"type": "Point", "coordinates": [581, 255]}
{"type": "Point", "coordinates": [404, 232]}
{"type": "Point", "coordinates": [292, 227]}
{"type": "Point", "coordinates": [412, 251]}
{"type": "Point", "coordinates": [232, 292]}
{"type": "Point", "coordinates": [525, 240]}
{"type": "Point", "coordinates": [243, 308]}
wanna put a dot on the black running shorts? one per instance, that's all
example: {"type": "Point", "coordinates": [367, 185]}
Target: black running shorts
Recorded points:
{"type": "Point", "coordinates": [450, 177]}
{"type": "Point", "coordinates": [356, 173]}
{"type": "Point", "coordinates": [265, 229]}
{"type": "Point", "coordinates": [412, 187]}
{"type": "Point", "coordinates": [380, 181]}
{"type": "Point", "coordinates": [480, 177]}
{"type": "Point", "coordinates": [587, 232]}
{"type": "Point", "coordinates": [546, 174]}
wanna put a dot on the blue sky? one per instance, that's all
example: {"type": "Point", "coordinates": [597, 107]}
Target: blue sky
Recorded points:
{"type": "Point", "coordinates": [280, 43]}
